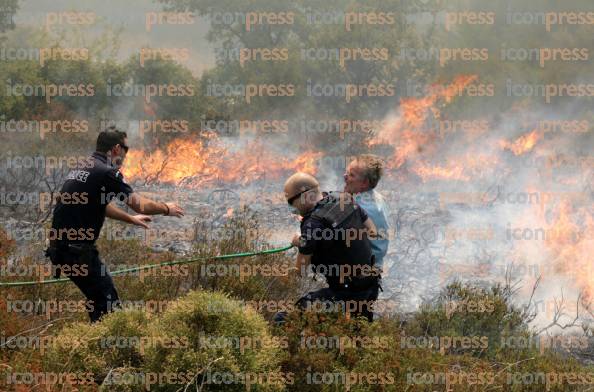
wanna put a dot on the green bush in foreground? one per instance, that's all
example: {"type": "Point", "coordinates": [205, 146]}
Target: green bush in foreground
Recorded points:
{"type": "Point", "coordinates": [97, 349]}
{"type": "Point", "coordinates": [197, 334]}
{"type": "Point", "coordinates": [207, 341]}
{"type": "Point", "coordinates": [224, 339]}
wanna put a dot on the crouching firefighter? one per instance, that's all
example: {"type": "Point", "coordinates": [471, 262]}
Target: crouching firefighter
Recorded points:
{"type": "Point", "coordinates": [95, 184]}
{"type": "Point", "coordinates": [334, 240]}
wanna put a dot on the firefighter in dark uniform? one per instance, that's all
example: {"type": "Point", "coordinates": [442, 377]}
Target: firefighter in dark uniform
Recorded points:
{"type": "Point", "coordinates": [86, 198]}
{"type": "Point", "coordinates": [334, 239]}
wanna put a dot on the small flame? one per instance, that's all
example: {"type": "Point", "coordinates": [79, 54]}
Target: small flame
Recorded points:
{"type": "Point", "coordinates": [427, 172]}
{"type": "Point", "coordinates": [464, 168]}
{"type": "Point", "coordinates": [523, 144]}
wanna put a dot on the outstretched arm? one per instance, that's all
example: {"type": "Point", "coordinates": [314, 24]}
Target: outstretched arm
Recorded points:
{"type": "Point", "coordinates": [115, 185]}
{"type": "Point", "coordinates": [144, 205]}
{"type": "Point", "coordinates": [112, 211]}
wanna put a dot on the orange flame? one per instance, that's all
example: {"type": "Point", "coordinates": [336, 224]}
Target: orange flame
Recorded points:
{"type": "Point", "coordinates": [464, 168]}
{"type": "Point", "coordinates": [523, 144]}
{"type": "Point", "coordinates": [406, 133]}
{"type": "Point", "coordinates": [202, 162]}
{"type": "Point", "coordinates": [570, 240]}
{"type": "Point", "coordinates": [452, 172]}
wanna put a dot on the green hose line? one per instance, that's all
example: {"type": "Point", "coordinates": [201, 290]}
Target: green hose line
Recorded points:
{"type": "Point", "coordinates": [149, 266]}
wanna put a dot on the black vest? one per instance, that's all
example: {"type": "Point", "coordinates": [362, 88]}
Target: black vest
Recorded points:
{"type": "Point", "coordinates": [344, 241]}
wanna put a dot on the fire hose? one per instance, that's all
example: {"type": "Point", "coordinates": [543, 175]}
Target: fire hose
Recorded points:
{"type": "Point", "coordinates": [149, 266]}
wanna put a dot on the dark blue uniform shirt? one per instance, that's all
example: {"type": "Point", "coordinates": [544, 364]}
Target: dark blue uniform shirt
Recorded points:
{"type": "Point", "coordinates": [80, 211]}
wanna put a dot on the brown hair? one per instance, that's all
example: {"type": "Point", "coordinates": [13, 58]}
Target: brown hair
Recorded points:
{"type": "Point", "coordinates": [373, 168]}
{"type": "Point", "coordinates": [109, 138]}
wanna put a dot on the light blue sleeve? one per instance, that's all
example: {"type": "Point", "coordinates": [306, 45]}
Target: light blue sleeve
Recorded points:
{"type": "Point", "coordinates": [376, 209]}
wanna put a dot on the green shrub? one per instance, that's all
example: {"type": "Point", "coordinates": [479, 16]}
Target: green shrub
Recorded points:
{"type": "Point", "coordinates": [174, 344]}
{"type": "Point", "coordinates": [464, 310]}
{"type": "Point", "coordinates": [324, 346]}
{"type": "Point", "coordinates": [83, 347]}
{"type": "Point", "coordinates": [213, 325]}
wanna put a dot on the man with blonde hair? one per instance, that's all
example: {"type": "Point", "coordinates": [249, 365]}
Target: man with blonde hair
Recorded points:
{"type": "Point", "coordinates": [360, 179]}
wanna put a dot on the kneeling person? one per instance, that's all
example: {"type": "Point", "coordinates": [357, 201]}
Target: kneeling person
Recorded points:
{"type": "Point", "coordinates": [334, 239]}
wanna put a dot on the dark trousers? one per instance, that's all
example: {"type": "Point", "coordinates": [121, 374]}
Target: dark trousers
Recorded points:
{"type": "Point", "coordinates": [356, 303]}
{"type": "Point", "coordinates": [94, 279]}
